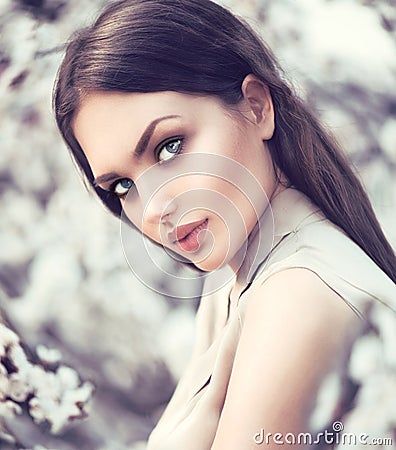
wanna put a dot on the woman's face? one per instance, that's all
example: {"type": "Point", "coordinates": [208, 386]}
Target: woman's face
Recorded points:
{"type": "Point", "coordinates": [191, 173]}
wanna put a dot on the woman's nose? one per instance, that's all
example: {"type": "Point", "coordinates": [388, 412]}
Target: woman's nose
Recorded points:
{"type": "Point", "coordinates": [157, 194]}
{"type": "Point", "coordinates": [158, 207]}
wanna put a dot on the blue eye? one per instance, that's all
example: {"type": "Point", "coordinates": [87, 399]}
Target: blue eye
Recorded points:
{"type": "Point", "coordinates": [122, 187]}
{"type": "Point", "coordinates": [169, 150]}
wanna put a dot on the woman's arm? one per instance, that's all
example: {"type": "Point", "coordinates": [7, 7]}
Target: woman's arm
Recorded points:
{"type": "Point", "coordinates": [295, 331]}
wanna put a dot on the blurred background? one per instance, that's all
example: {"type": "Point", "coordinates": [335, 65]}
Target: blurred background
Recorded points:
{"type": "Point", "coordinates": [89, 338]}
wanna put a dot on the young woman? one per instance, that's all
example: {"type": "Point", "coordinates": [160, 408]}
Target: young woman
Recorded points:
{"type": "Point", "coordinates": [181, 121]}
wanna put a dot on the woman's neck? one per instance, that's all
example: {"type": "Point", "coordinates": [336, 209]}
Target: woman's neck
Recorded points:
{"type": "Point", "coordinates": [239, 259]}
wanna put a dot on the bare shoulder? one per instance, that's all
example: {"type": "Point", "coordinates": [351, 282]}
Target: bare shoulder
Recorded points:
{"type": "Point", "coordinates": [302, 291]}
{"type": "Point", "coordinates": [296, 306]}
{"type": "Point", "coordinates": [295, 331]}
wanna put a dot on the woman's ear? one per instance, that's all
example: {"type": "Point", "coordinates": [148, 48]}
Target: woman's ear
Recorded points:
{"type": "Point", "coordinates": [258, 99]}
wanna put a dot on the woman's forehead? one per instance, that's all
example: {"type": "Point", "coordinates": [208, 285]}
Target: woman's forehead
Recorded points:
{"type": "Point", "coordinates": [144, 104]}
{"type": "Point", "coordinates": [115, 113]}
{"type": "Point", "coordinates": [113, 123]}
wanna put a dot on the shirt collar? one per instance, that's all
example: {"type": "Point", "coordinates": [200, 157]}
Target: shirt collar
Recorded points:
{"type": "Point", "coordinates": [285, 212]}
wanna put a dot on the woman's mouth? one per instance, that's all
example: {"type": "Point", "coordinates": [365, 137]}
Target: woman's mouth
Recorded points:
{"type": "Point", "coordinates": [186, 236]}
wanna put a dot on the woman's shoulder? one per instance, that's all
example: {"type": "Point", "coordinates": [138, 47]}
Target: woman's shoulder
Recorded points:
{"type": "Point", "coordinates": [294, 332]}
{"type": "Point", "coordinates": [298, 293]}
{"type": "Point", "coordinates": [321, 247]}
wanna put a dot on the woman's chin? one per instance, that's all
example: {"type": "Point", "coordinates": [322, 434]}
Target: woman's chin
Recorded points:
{"type": "Point", "coordinates": [210, 263]}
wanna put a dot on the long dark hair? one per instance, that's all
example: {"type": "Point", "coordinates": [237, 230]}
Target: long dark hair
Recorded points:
{"type": "Point", "coordinates": [197, 46]}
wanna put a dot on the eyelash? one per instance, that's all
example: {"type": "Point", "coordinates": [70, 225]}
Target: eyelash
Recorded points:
{"type": "Point", "coordinates": [157, 151]}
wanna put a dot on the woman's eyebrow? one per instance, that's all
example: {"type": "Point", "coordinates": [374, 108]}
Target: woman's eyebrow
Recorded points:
{"type": "Point", "coordinates": [147, 134]}
{"type": "Point", "coordinates": [139, 149]}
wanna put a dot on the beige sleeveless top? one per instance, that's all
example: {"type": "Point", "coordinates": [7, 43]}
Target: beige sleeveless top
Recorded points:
{"type": "Point", "coordinates": [303, 237]}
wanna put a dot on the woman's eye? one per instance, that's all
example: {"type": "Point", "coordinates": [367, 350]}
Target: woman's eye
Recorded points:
{"type": "Point", "coordinates": [122, 187]}
{"type": "Point", "coordinates": [169, 150]}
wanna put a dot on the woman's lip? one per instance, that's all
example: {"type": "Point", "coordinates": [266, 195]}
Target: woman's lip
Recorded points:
{"type": "Point", "coordinates": [192, 241]}
{"type": "Point", "coordinates": [182, 231]}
